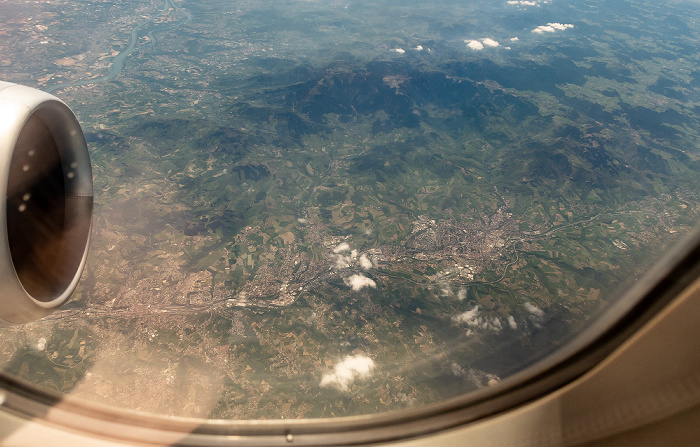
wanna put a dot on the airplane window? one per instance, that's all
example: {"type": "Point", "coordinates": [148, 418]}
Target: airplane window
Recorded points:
{"type": "Point", "coordinates": [315, 209]}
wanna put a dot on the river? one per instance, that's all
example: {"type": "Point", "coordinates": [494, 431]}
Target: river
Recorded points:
{"type": "Point", "coordinates": [118, 62]}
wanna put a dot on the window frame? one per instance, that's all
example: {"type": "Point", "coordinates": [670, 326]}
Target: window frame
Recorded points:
{"type": "Point", "coordinates": [669, 276]}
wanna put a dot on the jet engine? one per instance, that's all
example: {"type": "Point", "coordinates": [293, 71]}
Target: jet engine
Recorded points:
{"type": "Point", "coordinates": [47, 200]}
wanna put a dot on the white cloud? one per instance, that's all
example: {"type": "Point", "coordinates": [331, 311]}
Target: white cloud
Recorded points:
{"type": "Point", "coordinates": [365, 263]}
{"type": "Point", "coordinates": [358, 282]}
{"type": "Point", "coordinates": [347, 371]}
{"type": "Point", "coordinates": [560, 26]}
{"type": "Point", "coordinates": [473, 319]}
{"type": "Point", "coordinates": [475, 45]}
{"type": "Point", "coordinates": [342, 261]}
{"type": "Point", "coordinates": [495, 324]}
{"type": "Point", "coordinates": [445, 289]}
{"type": "Point", "coordinates": [344, 246]}
{"type": "Point", "coordinates": [478, 45]}
{"type": "Point", "coordinates": [479, 378]}
{"type": "Point", "coordinates": [552, 27]}
{"type": "Point", "coordinates": [462, 294]}
{"type": "Point", "coordinates": [511, 322]}
{"type": "Point", "coordinates": [527, 2]}
{"type": "Point", "coordinates": [534, 310]}
{"type": "Point", "coordinates": [343, 256]}
{"type": "Point", "coordinates": [419, 48]}
{"type": "Point", "coordinates": [400, 50]}
{"type": "Point", "coordinates": [514, 39]}
{"type": "Point", "coordinates": [543, 29]}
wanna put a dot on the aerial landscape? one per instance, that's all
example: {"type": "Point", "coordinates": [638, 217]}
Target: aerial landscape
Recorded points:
{"type": "Point", "coordinates": [314, 209]}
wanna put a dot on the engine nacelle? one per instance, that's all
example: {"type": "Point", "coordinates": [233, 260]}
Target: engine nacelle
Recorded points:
{"type": "Point", "coordinates": [47, 200]}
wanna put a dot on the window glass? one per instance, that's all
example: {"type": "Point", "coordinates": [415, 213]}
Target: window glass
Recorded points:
{"type": "Point", "coordinates": [330, 208]}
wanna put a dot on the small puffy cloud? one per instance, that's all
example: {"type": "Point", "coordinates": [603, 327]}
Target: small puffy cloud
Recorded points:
{"type": "Point", "coordinates": [346, 372]}
{"type": "Point", "coordinates": [365, 262]}
{"type": "Point", "coordinates": [552, 27]}
{"type": "Point", "coordinates": [359, 282]}
{"type": "Point", "coordinates": [475, 45]}
{"type": "Point", "coordinates": [470, 317]}
{"type": "Point", "coordinates": [302, 221]}
{"type": "Point", "coordinates": [479, 378]}
{"type": "Point", "coordinates": [527, 2]}
{"type": "Point", "coordinates": [474, 319]}
{"type": "Point", "coordinates": [342, 261]}
{"type": "Point", "coordinates": [344, 246]}
{"type": "Point", "coordinates": [343, 256]}
{"type": "Point", "coordinates": [534, 310]}
{"type": "Point", "coordinates": [514, 39]}
{"type": "Point", "coordinates": [445, 288]}
{"type": "Point", "coordinates": [400, 50]}
{"type": "Point", "coordinates": [462, 294]}
{"type": "Point", "coordinates": [543, 29]}
{"type": "Point", "coordinates": [560, 26]}
{"type": "Point", "coordinates": [419, 48]}
{"type": "Point", "coordinates": [511, 322]}
{"type": "Point", "coordinates": [478, 45]}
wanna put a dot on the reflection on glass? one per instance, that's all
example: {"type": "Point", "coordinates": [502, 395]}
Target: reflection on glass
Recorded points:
{"type": "Point", "coordinates": [35, 209]}
{"type": "Point", "coordinates": [315, 209]}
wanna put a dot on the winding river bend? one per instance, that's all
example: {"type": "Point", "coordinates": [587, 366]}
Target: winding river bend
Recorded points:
{"type": "Point", "coordinates": [118, 62]}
